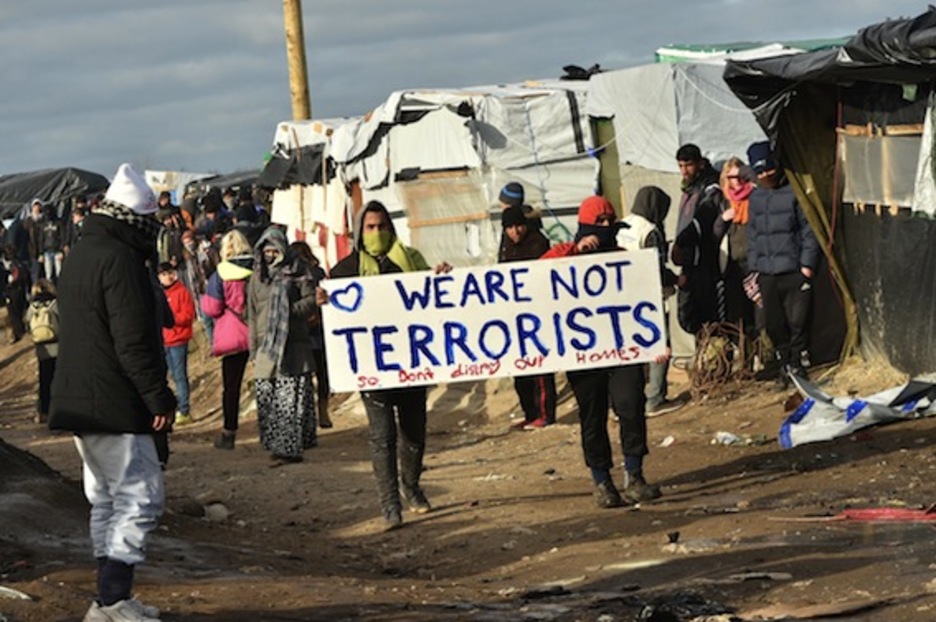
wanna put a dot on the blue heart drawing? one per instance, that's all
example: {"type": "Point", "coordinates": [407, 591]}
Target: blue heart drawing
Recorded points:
{"type": "Point", "coordinates": [348, 298]}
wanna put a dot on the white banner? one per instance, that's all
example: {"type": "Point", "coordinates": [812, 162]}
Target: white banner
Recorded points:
{"type": "Point", "coordinates": [513, 319]}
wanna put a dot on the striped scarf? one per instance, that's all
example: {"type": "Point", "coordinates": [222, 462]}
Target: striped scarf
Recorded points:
{"type": "Point", "coordinates": [147, 224]}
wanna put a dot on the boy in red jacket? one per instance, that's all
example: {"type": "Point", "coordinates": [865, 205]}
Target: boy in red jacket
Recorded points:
{"type": "Point", "coordinates": [175, 339]}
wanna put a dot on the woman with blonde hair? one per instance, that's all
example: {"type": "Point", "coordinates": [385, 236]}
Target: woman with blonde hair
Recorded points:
{"type": "Point", "coordinates": [737, 183]}
{"type": "Point", "coordinates": [225, 300]}
{"type": "Point", "coordinates": [42, 318]}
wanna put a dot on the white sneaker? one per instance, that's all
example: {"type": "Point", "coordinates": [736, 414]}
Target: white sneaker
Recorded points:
{"type": "Point", "coordinates": [130, 610]}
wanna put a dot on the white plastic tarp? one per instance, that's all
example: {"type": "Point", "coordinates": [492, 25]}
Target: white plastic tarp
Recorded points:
{"type": "Point", "coordinates": [822, 417]}
{"type": "Point", "coordinates": [924, 195]}
{"type": "Point", "coordinates": [657, 108]}
{"type": "Point", "coordinates": [440, 140]}
{"type": "Point", "coordinates": [520, 131]}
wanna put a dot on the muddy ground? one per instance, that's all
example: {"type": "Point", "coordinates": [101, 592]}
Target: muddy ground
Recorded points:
{"type": "Point", "coordinates": [742, 530]}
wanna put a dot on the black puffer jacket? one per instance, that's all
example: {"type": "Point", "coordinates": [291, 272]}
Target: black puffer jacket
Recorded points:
{"type": "Point", "coordinates": [111, 372]}
{"type": "Point", "coordinates": [779, 237]}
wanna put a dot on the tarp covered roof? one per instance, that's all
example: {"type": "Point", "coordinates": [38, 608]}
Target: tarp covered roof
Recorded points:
{"type": "Point", "coordinates": [741, 50]}
{"type": "Point", "coordinates": [55, 186]}
{"type": "Point", "coordinates": [234, 180]}
{"type": "Point", "coordinates": [896, 52]}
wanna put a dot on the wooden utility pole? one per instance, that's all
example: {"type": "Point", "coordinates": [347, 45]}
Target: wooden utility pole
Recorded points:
{"type": "Point", "coordinates": [295, 54]}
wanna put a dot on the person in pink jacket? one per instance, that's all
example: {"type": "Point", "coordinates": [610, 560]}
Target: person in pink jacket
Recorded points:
{"type": "Point", "coordinates": [225, 300]}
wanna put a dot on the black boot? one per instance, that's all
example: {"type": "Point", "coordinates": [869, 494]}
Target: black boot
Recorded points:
{"type": "Point", "coordinates": [226, 440]}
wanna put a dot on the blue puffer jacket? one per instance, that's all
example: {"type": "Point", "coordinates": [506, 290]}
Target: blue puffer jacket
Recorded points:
{"type": "Point", "coordinates": [779, 237]}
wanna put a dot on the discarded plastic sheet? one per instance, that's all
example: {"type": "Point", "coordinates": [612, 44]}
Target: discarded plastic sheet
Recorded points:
{"type": "Point", "coordinates": [822, 417]}
{"type": "Point", "coordinates": [871, 515]}
{"type": "Point", "coordinates": [874, 515]}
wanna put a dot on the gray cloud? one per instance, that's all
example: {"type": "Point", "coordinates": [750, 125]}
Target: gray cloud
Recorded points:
{"type": "Point", "coordinates": [200, 85]}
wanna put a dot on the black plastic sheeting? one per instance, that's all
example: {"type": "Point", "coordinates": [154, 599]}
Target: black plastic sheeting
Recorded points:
{"type": "Point", "coordinates": [234, 181]}
{"type": "Point", "coordinates": [58, 187]}
{"type": "Point", "coordinates": [299, 166]}
{"type": "Point", "coordinates": [893, 52]}
{"type": "Point", "coordinates": [892, 264]}
{"type": "Point", "coordinates": [826, 328]}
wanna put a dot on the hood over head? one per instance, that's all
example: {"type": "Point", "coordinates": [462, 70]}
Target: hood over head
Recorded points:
{"type": "Point", "coordinates": [653, 204]}
{"type": "Point", "coordinates": [372, 206]}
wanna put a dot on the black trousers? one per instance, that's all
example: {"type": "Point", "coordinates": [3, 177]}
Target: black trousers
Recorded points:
{"type": "Point", "coordinates": [537, 396]}
{"type": "Point", "coordinates": [322, 389]}
{"type": "Point", "coordinates": [46, 372]}
{"type": "Point", "coordinates": [625, 387]}
{"type": "Point", "coordinates": [386, 410]}
{"type": "Point", "coordinates": [787, 298]}
{"type": "Point", "coordinates": [16, 309]}
{"type": "Point", "coordinates": [232, 375]}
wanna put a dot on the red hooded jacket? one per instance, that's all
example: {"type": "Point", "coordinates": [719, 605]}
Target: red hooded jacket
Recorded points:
{"type": "Point", "coordinates": [183, 312]}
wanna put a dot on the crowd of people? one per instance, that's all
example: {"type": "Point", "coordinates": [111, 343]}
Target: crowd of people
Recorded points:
{"type": "Point", "coordinates": [111, 302]}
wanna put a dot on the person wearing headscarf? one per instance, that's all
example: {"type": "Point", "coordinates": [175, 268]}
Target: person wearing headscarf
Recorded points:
{"type": "Point", "coordinates": [624, 384]}
{"type": "Point", "coordinates": [317, 331]}
{"type": "Point", "coordinates": [280, 299]}
{"type": "Point", "coordinates": [379, 251]}
{"type": "Point", "coordinates": [644, 228]}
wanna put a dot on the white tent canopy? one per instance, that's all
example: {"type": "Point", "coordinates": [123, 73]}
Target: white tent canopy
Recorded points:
{"type": "Point", "coordinates": [657, 108]}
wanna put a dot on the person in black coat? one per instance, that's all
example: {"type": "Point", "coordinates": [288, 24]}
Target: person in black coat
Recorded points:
{"type": "Point", "coordinates": [110, 385]}
{"type": "Point", "coordinates": [784, 253]}
{"type": "Point", "coordinates": [537, 392]}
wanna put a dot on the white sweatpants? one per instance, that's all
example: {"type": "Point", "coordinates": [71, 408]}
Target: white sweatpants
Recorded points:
{"type": "Point", "coordinates": [124, 484]}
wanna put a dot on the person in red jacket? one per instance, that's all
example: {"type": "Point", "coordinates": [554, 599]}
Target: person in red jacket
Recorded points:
{"type": "Point", "coordinates": [624, 384]}
{"type": "Point", "coordinates": [175, 339]}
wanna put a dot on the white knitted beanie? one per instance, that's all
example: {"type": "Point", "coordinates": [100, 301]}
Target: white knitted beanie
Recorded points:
{"type": "Point", "coordinates": [130, 189]}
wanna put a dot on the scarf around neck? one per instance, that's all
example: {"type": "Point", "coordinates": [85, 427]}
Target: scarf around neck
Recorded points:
{"type": "Point", "coordinates": [739, 199]}
{"type": "Point", "coordinates": [149, 226]}
{"type": "Point", "coordinates": [407, 259]}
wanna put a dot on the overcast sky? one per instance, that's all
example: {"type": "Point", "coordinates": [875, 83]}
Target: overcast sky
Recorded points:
{"type": "Point", "coordinates": [199, 85]}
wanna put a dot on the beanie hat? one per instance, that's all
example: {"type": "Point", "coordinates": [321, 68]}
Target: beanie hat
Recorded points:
{"type": "Point", "coordinates": [761, 157]}
{"type": "Point", "coordinates": [513, 216]}
{"type": "Point", "coordinates": [593, 207]}
{"type": "Point", "coordinates": [512, 194]}
{"type": "Point", "coordinates": [130, 190]}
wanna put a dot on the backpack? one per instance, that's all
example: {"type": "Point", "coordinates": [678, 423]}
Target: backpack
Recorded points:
{"type": "Point", "coordinates": [44, 323]}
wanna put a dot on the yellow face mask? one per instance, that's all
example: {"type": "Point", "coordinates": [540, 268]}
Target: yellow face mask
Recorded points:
{"type": "Point", "coordinates": [377, 242]}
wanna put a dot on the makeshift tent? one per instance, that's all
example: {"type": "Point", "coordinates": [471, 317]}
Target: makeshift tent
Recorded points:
{"type": "Point", "coordinates": [235, 181]}
{"type": "Point", "coordinates": [656, 108]}
{"type": "Point", "coordinates": [173, 182]}
{"type": "Point", "coordinates": [438, 159]}
{"type": "Point", "coordinates": [847, 124]}
{"type": "Point", "coordinates": [57, 187]}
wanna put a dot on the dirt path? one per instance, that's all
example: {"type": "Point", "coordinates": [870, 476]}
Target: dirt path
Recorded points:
{"type": "Point", "coordinates": [515, 534]}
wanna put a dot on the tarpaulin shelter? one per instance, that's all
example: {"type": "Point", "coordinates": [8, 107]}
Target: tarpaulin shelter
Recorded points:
{"type": "Point", "coordinates": [57, 187]}
{"type": "Point", "coordinates": [644, 114]}
{"type": "Point", "coordinates": [235, 181]}
{"type": "Point", "coordinates": [437, 158]}
{"type": "Point", "coordinates": [853, 128]}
